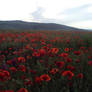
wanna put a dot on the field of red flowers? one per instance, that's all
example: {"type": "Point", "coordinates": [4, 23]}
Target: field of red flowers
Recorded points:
{"type": "Point", "coordinates": [46, 61]}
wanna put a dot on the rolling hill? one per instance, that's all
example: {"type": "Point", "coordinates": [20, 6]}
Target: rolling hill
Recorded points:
{"type": "Point", "coordinates": [22, 25]}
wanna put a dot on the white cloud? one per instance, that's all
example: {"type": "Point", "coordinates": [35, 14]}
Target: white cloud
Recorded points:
{"type": "Point", "coordinates": [54, 7]}
{"type": "Point", "coordinates": [16, 9]}
{"type": "Point", "coordinates": [89, 9]}
{"type": "Point", "coordinates": [69, 12]}
{"type": "Point", "coordinates": [82, 24]}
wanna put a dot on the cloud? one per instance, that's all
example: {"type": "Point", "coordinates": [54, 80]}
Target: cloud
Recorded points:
{"type": "Point", "coordinates": [37, 15]}
{"type": "Point", "coordinates": [68, 12]}
{"type": "Point", "coordinates": [77, 14]}
{"type": "Point", "coordinates": [16, 9]}
{"type": "Point", "coordinates": [54, 7]}
{"type": "Point", "coordinates": [89, 9]}
{"type": "Point", "coordinates": [83, 24]}
{"type": "Point", "coordinates": [70, 16]}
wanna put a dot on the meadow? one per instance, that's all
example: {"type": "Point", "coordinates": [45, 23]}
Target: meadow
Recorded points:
{"type": "Point", "coordinates": [45, 61]}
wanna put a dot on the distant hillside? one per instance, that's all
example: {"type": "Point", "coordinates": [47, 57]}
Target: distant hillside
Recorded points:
{"type": "Point", "coordinates": [21, 25]}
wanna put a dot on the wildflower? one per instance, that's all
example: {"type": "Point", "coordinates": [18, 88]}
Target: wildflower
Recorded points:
{"type": "Point", "coordinates": [36, 54]}
{"type": "Point", "coordinates": [21, 60]}
{"type": "Point", "coordinates": [80, 75]}
{"type": "Point", "coordinates": [23, 77]}
{"type": "Point", "coordinates": [22, 68]}
{"type": "Point", "coordinates": [4, 75]}
{"type": "Point", "coordinates": [68, 73]}
{"type": "Point", "coordinates": [70, 67]}
{"type": "Point", "coordinates": [82, 48]}
{"type": "Point", "coordinates": [77, 53]}
{"type": "Point", "coordinates": [45, 77]}
{"type": "Point", "coordinates": [8, 91]}
{"type": "Point", "coordinates": [9, 62]}
{"type": "Point", "coordinates": [27, 46]}
{"type": "Point", "coordinates": [43, 43]}
{"type": "Point", "coordinates": [66, 49]}
{"type": "Point", "coordinates": [13, 69]}
{"type": "Point", "coordinates": [22, 90]}
{"type": "Point", "coordinates": [64, 55]}
{"type": "Point", "coordinates": [77, 61]}
{"type": "Point", "coordinates": [27, 82]}
{"type": "Point", "coordinates": [60, 64]}
{"type": "Point", "coordinates": [42, 52]}
{"type": "Point", "coordinates": [55, 50]}
{"type": "Point", "coordinates": [90, 63]}
{"type": "Point", "coordinates": [69, 60]}
{"type": "Point", "coordinates": [89, 57]}
{"type": "Point", "coordinates": [38, 80]}
{"type": "Point", "coordinates": [54, 71]}
{"type": "Point", "coordinates": [32, 71]}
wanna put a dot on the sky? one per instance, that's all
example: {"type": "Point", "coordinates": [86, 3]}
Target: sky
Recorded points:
{"type": "Point", "coordinates": [75, 13]}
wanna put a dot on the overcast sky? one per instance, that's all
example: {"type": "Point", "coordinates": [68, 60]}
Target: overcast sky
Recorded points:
{"type": "Point", "coordinates": [76, 13]}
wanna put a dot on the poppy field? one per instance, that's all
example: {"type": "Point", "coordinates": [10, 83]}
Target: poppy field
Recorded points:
{"type": "Point", "coordinates": [46, 61]}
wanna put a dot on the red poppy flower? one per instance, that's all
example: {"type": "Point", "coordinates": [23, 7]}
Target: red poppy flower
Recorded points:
{"type": "Point", "coordinates": [23, 77]}
{"type": "Point", "coordinates": [70, 67]}
{"type": "Point", "coordinates": [32, 71]}
{"type": "Point", "coordinates": [45, 77]}
{"type": "Point", "coordinates": [68, 73]}
{"type": "Point", "coordinates": [4, 75]}
{"type": "Point", "coordinates": [8, 91]}
{"type": "Point", "coordinates": [82, 48]}
{"type": "Point", "coordinates": [55, 50]}
{"type": "Point", "coordinates": [60, 64]}
{"type": "Point", "coordinates": [80, 75]}
{"type": "Point", "coordinates": [66, 49]}
{"type": "Point", "coordinates": [22, 68]}
{"type": "Point", "coordinates": [36, 54]}
{"type": "Point", "coordinates": [38, 80]}
{"type": "Point", "coordinates": [69, 60]}
{"type": "Point", "coordinates": [64, 55]}
{"type": "Point", "coordinates": [22, 90]}
{"type": "Point", "coordinates": [77, 53]}
{"type": "Point", "coordinates": [27, 82]}
{"type": "Point", "coordinates": [77, 61]}
{"type": "Point", "coordinates": [21, 60]}
{"type": "Point", "coordinates": [13, 69]}
{"type": "Point", "coordinates": [89, 57]}
{"type": "Point", "coordinates": [42, 52]}
{"type": "Point", "coordinates": [90, 63]}
{"type": "Point", "coordinates": [43, 43]}
{"type": "Point", "coordinates": [29, 57]}
{"type": "Point", "coordinates": [54, 71]}
{"type": "Point", "coordinates": [71, 49]}
{"type": "Point", "coordinates": [68, 41]}
{"type": "Point", "coordinates": [9, 62]}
